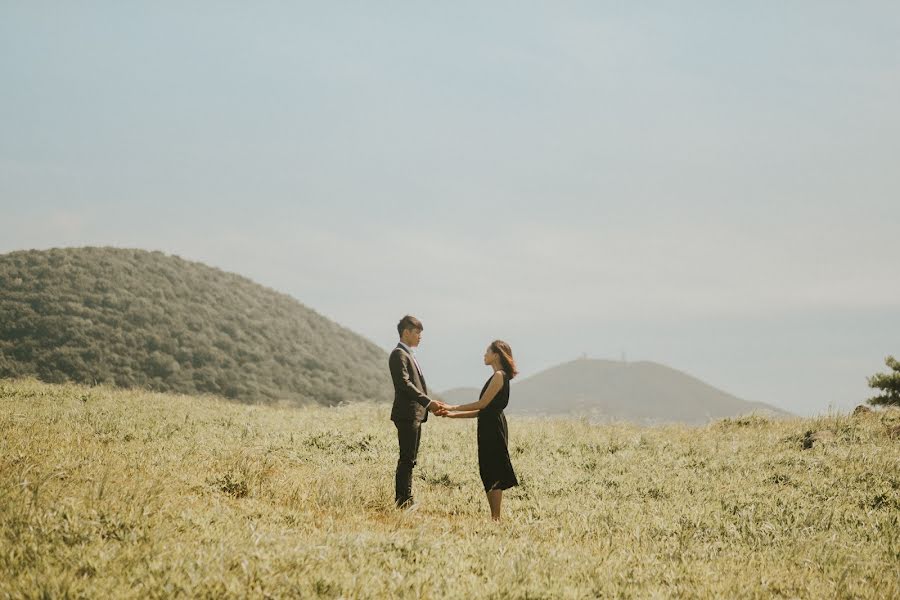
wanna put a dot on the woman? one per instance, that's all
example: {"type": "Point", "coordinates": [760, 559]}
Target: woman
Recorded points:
{"type": "Point", "coordinates": [493, 435]}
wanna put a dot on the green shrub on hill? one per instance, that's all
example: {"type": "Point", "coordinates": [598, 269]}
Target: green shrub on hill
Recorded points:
{"type": "Point", "coordinates": [139, 319]}
{"type": "Point", "coordinates": [888, 383]}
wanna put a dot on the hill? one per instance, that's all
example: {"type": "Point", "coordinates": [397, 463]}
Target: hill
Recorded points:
{"type": "Point", "coordinates": [139, 319]}
{"type": "Point", "coordinates": [642, 392]}
{"type": "Point", "coordinates": [144, 495]}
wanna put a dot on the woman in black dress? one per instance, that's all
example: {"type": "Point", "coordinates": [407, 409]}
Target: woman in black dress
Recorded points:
{"type": "Point", "coordinates": [493, 434]}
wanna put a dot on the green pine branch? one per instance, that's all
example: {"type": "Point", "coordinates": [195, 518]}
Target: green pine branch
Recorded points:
{"type": "Point", "coordinates": [885, 400]}
{"type": "Point", "coordinates": [893, 363]}
{"type": "Point", "coordinates": [888, 382]}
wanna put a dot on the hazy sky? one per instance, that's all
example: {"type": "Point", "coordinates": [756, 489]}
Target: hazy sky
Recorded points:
{"type": "Point", "coordinates": [710, 185]}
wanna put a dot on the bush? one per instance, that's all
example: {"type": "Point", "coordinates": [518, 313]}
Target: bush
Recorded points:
{"type": "Point", "coordinates": [888, 383]}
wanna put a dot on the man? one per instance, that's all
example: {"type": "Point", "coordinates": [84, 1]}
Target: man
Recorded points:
{"type": "Point", "coordinates": [411, 406]}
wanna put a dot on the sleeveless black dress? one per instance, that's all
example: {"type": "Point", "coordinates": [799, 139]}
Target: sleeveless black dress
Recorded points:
{"type": "Point", "coordinates": [493, 442]}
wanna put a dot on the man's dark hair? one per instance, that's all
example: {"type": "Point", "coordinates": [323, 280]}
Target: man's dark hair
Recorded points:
{"type": "Point", "coordinates": [409, 322]}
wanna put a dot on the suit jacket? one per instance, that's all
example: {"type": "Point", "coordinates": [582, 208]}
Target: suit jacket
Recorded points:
{"type": "Point", "coordinates": [410, 391]}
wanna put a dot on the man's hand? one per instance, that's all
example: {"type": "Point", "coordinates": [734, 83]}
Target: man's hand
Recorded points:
{"type": "Point", "coordinates": [446, 410]}
{"type": "Point", "coordinates": [436, 406]}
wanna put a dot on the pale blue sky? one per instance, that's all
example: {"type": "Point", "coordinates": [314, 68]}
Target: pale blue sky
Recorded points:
{"type": "Point", "coordinates": [707, 185]}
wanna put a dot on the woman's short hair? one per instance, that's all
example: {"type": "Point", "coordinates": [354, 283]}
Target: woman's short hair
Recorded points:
{"type": "Point", "coordinates": [409, 322]}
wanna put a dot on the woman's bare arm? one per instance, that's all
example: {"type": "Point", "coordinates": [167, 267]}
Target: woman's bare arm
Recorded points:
{"type": "Point", "coordinates": [465, 414]}
{"type": "Point", "coordinates": [492, 390]}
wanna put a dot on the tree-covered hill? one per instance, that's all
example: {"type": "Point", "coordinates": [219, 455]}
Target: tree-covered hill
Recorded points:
{"type": "Point", "coordinates": [143, 319]}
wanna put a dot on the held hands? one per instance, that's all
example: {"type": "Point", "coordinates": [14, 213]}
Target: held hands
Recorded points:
{"type": "Point", "coordinates": [437, 407]}
{"type": "Point", "coordinates": [442, 409]}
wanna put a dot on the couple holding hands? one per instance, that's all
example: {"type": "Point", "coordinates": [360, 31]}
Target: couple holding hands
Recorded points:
{"type": "Point", "coordinates": [412, 405]}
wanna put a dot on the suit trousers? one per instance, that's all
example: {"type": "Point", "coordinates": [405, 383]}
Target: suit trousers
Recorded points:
{"type": "Point", "coordinates": [409, 434]}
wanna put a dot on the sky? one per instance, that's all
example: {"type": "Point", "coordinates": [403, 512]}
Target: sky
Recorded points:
{"type": "Point", "coordinates": [712, 186]}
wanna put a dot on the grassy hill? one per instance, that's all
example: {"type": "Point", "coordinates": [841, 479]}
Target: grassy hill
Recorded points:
{"type": "Point", "coordinates": [139, 319]}
{"type": "Point", "coordinates": [128, 494]}
{"type": "Point", "coordinates": [642, 392]}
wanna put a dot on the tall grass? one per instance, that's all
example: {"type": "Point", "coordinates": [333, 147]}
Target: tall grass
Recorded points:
{"type": "Point", "coordinates": [107, 493]}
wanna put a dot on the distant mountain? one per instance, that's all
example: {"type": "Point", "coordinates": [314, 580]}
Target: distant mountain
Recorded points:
{"type": "Point", "coordinates": [643, 392]}
{"type": "Point", "coordinates": [142, 319]}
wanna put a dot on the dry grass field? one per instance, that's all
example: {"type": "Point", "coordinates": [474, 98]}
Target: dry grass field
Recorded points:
{"type": "Point", "coordinates": [115, 494]}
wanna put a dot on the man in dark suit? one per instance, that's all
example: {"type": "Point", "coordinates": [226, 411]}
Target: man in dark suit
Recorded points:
{"type": "Point", "coordinates": [411, 406]}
